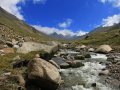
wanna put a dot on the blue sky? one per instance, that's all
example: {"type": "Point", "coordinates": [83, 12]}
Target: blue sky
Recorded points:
{"type": "Point", "coordinates": [73, 17]}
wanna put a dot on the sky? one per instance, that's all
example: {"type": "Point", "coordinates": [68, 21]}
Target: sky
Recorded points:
{"type": "Point", "coordinates": [66, 17]}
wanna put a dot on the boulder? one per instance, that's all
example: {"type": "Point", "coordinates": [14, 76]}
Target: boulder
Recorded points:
{"type": "Point", "coordinates": [54, 63]}
{"type": "Point", "coordinates": [43, 74]}
{"type": "Point", "coordinates": [33, 46]}
{"type": "Point", "coordinates": [103, 49]}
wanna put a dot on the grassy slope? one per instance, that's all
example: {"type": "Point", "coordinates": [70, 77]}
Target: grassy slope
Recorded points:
{"type": "Point", "coordinates": [111, 37]}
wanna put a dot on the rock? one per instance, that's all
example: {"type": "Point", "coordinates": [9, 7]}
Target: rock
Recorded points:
{"type": "Point", "coordinates": [8, 50]}
{"type": "Point", "coordinates": [20, 63]}
{"type": "Point", "coordinates": [54, 63]}
{"type": "Point", "coordinates": [14, 42]}
{"type": "Point", "coordinates": [91, 49]}
{"type": "Point", "coordinates": [64, 66]}
{"type": "Point", "coordinates": [43, 74]}
{"type": "Point", "coordinates": [93, 85]}
{"type": "Point", "coordinates": [87, 56]}
{"type": "Point", "coordinates": [20, 79]}
{"type": "Point", "coordinates": [16, 58]}
{"type": "Point", "coordinates": [26, 39]}
{"type": "Point", "coordinates": [33, 46]}
{"type": "Point", "coordinates": [6, 74]}
{"type": "Point", "coordinates": [37, 56]}
{"type": "Point", "coordinates": [9, 44]}
{"type": "Point", "coordinates": [104, 72]}
{"type": "Point", "coordinates": [79, 57]}
{"type": "Point", "coordinates": [75, 64]}
{"type": "Point", "coordinates": [103, 49]}
{"type": "Point", "coordinates": [45, 55]}
{"type": "Point", "coordinates": [58, 60]}
{"type": "Point", "coordinates": [82, 47]}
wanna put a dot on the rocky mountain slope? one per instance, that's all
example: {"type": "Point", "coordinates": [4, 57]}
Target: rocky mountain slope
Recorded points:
{"type": "Point", "coordinates": [11, 27]}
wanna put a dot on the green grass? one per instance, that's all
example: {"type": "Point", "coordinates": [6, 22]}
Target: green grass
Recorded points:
{"type": "Point", "coordinates": [111, 37]}
{"type": "Point", "coordinates": [7, 60]}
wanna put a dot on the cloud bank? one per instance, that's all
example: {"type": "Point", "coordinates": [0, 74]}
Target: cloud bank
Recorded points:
{"type": "Point", "coordinates": [111, 20]}
{"type": "Point", "coordinates": [115, 3]}
{"type": "Point", "coordinates": [64, 32]}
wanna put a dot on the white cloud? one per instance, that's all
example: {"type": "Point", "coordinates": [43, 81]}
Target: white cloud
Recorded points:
{"type": "Point", "coordinates": [65, 24]}
{"type": "Point", "coordinates": [39, 1]}
{"type": "Point", "coordinates": [111, 20]}
{"type": "Point", "coordinates": [115, 3]}
{"type": "Point", "coordinates": [11, 7]}
{"type": "Point", "coordinates": [65, 32]}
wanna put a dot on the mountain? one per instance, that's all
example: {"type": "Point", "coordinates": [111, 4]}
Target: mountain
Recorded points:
{"type": "Point", "coordinates": [12, 27]}
{"type": "Point", "coordinates": [66, 37]}
{"type": "Point", "coordinates": [103, 35]}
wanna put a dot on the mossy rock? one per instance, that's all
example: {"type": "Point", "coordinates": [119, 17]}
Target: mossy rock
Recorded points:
{"type": "Point", "coordinates": [45, 55]}
{"type": "Point", "coordinates": [87, 56]}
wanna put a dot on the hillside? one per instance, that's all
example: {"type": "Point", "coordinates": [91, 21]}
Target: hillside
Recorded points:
{"type": "Point", "coordinates": [103, 35]}
{"type": "Point", "coordinates": [11, 27]}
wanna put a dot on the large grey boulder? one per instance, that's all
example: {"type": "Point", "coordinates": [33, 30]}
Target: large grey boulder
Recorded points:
{"type": "Point", "coordinates": [43, 74]}
{"type": "Point", "coordinates": [33, 46]}
{"type": "Point", "coordinates": [103, 49]}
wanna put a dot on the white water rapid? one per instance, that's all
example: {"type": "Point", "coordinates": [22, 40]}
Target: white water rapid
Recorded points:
{"type": "Point", "coordinates": [84, 77]}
